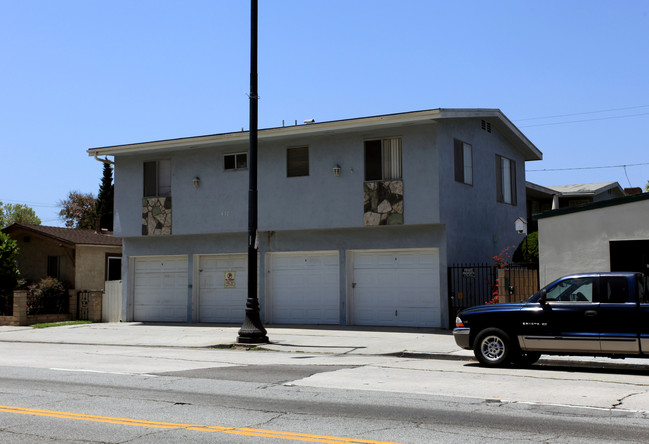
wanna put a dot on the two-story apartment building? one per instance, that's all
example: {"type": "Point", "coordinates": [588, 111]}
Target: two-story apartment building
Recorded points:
{"type": "Point", "coordinates": [358, 219]}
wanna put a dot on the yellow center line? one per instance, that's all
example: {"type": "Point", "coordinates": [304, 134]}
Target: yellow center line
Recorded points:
{"type": "Point", "coordinates": [197, 427]}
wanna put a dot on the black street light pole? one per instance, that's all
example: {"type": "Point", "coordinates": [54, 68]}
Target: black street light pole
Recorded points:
{"type": "Point", "coordinates": [252, 331]}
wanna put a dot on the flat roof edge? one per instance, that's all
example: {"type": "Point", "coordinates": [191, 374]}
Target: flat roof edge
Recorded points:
{"type": "Point", "coordinates": [593, 206]}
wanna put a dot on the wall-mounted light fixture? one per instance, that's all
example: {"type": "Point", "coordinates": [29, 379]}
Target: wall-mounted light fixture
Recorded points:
{"type": "Point", "coordinates": [196, 181]}
{"type": "Point", "coordinates": [336, 170]}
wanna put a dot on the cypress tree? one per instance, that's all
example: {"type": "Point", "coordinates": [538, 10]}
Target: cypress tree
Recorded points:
{"type": "Point", "coordinates": [105, 199]}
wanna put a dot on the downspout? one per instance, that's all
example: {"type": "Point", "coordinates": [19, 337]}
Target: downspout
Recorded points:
{"type": "Point", "coordinates": [109, 162]}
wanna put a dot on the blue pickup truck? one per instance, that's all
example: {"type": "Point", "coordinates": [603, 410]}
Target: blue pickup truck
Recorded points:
{"type": "Point", "coordinates": [595, 314]}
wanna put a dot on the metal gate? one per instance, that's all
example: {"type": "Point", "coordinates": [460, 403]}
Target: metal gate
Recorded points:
{"type": "Point", "coordinates": [476, 284]}
{"type": "Point", "coordinates": [470, 285]}
{"type": "Point", "coordinates": [83, 298]}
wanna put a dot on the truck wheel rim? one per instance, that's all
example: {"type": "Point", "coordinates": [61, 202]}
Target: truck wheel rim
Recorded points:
{"type": "Point", "coordinates": [493, 348]}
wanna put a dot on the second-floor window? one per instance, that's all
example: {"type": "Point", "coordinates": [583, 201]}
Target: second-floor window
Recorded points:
{"type": "Point", "coordinates": [463, 153]}
{"type": "Point", "coordinates": [238, 161]}
{"type": "Point", "coordinates": [297, 161]}
{"type": "Point", "coordinates": [506, 180]}
{"type": "Point", "coordinates": [157, 178]}
{"type": "Point", "coordinates": [383, 159]}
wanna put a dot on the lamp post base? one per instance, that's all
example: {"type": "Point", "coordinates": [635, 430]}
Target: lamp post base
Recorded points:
{"type": "Point", "coordinates": [252, 331]}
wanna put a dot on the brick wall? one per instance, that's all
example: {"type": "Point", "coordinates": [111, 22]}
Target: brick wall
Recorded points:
{"type": "Point", "coordinates": [92, 312]}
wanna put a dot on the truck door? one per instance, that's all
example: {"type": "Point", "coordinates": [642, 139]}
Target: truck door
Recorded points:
{"type": "Point", "coordinates": [643, 314]}
{"type": "Point", "coordinates": [569, 319]}
{"type": "Point", "coordinates": [618, 316]}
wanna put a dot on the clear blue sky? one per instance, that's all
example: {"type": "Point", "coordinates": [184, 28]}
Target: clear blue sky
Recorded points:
{"type": "Point", "coordinates": [85, 74]}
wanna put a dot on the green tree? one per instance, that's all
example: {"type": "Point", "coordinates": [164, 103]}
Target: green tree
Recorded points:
{"type": "Point", "coordinates": [17, 214]}
{"type": "Point", "coordinates": [105, 199]}
{"type": "Point", "coordinates": [79, 210]}
{"type": "Point", "coordinates": [8, 265]}
{"type": "Point", "coordinates": [528, 249]}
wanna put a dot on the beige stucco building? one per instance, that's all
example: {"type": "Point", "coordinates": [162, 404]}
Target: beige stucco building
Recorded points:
{"type": "Point", "coordinates": [82, 259]}
{"type": "Point", "coordinates": [611, 235]}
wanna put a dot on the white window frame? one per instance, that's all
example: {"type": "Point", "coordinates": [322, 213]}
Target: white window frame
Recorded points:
{"type": "Point", "coordinates": [111, 263]}
{"type": "Point", "coordinates": [237, 164]}
{"type": "Point", "coordinates": [162, 179]}
{"type": "Point", "coordinates": [506, 180]}
{"type": "Point", "coordinates": [391, 159]}
{"type": "Point", "coordinates": [463, 156]}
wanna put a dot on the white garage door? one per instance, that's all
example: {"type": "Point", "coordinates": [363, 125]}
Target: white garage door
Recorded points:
{"type": "Point", "coordinates": [304, 288]}
{"type": "Point", "coordinates": [160, 289]}
{"type": "Point", "coordinates": [396, 288]}
{"type": "Point", "coordinates": [223, 288]}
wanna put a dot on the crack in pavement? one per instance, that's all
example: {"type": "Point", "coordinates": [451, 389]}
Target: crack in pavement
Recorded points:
{"type": "Point", "coordinates": [621, 400]}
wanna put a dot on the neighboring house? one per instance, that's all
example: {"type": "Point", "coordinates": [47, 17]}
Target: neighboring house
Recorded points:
{"type": "Point", "coordinates": [83, 259]}
{"type": "Point", "coordinates": [579, 194]}
{"type": "Point", "coordinates": [609, 235]}
{"type": "Point", "coordinates": [545, 198]}
{"type": "Point", "coordinates": [358, 218]}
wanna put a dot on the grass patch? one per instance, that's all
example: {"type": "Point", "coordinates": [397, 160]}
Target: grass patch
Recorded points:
{"type": "Point", "coordinates": [60, 324]}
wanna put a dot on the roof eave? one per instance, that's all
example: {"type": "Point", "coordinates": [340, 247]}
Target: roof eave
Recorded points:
{"type": "Point", "coordinates": [40, 234]}
{"type": "Point", "coordinates": [270, 133]}
{"type": "Point", "coordinates": [513, 134]}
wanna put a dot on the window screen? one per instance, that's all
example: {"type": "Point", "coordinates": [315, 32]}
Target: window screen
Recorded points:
{"type": "Point", "coordinates": [463, 154]}
{"type": "Point", "coordinates": [157, 178]}
{"type": "Point", "coordinates": [505, 180]}
{"type": "Point", "coordinates": [297, 162]}
{"type": "Point", "coordinates": [235, 161]}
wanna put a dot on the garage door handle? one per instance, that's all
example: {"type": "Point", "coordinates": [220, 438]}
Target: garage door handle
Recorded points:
{"type": "Point", "coordinates": [590, 313]}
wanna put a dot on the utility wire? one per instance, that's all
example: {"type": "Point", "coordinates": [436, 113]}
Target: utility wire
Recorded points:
{"type": "Point", "coordinates": [593, 168]}
{"type": "Point", "coordinates": [31, 204]}
{"type": "Point", "coordinates": [584, 120]}
{"type": "Point", "coordinates": [584, 113]}
{"type": "Point", "coordinates": [588, 168]}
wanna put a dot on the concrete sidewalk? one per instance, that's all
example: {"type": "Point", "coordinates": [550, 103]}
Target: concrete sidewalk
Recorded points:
{"type": "Point", "coordinates": [333, 340]}
{"type": "Point", "coordinates": [305, 339]}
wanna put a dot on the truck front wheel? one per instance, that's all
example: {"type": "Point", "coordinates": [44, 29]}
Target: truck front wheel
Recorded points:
{"type": "Point", "coordinates": [493, 347]}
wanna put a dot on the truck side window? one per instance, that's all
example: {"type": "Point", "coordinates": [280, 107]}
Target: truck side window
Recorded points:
{"type": "Point", "coordinates": [572, 290]}
{"type": "Point", "coordinates": [643, 290]}
{"type": "Point", "coordinates": [614, 290]}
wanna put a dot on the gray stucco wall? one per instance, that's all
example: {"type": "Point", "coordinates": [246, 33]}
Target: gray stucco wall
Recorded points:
{"type": "Point", "coordinates": [321, 212]}
{"type": "Point", "coordinates": [319, 200]}
{"type": "Point", "coordinates": [476, 222]}
{"type": "Point", "coordinates": [478, 226]}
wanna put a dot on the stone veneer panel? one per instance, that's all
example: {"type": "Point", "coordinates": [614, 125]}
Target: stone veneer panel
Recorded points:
{"type": "Point", "coordinates": [383, 203]}
{"type": "Point", "coordinates": [156, 216]}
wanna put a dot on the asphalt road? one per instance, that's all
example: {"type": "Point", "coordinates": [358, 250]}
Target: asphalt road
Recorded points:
{"type": "Point", "coordinates": [75, 393]}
